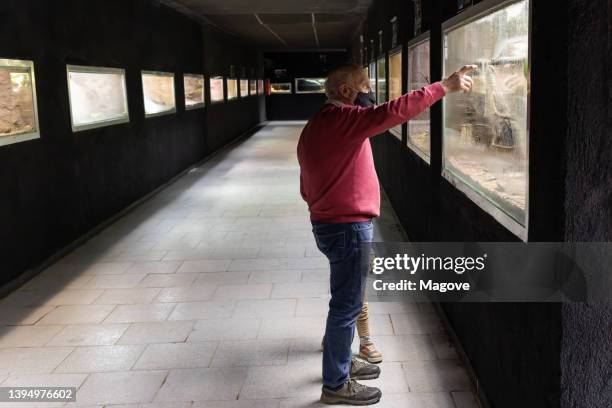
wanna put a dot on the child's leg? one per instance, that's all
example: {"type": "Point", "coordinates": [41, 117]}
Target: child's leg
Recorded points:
{"type": "Point", "coordinates": [367, 350]}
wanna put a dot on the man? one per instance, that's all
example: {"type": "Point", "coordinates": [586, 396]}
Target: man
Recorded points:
{"type": "Point", "coordinates": [339, 183]}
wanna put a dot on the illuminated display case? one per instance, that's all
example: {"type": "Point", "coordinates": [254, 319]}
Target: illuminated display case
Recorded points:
{"type": "Point", "coordinates": [395, 83]}
{"type": "Point", "coordinates": [260, 87]}
{"type": "Point", "coordinates": [309, 85]}
{"type": "Point", "coordinates": [97, 97]}
{"type": "Point", "coordinates": [158, 93]}
{"type": "Point", "coordinates": [486, 131]}
{"type": "Point", "coordinates": [419, 75]}
{"type": "Point", "coordinates": [280, 88]}
{"type": "Point", "coordinates": [372, 76]}
{"type": "Point", "coordinates": [244, 88]}
{"type": "Point", "coordinates": [194, 91]}
{"type": "Point", "coordinates": [381, 80]}
{"type": "Point", "coordinates": [216, 89]}
{"type": "Point", "coordinates": [232, 89]}
{"type": "Point", "coordinates": [18, 108]}
{"type": "Point", "coordinates": [252, 87]}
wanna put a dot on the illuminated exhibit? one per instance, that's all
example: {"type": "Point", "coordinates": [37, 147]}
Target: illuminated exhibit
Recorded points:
{"type": "Point", "coordinates": [232, 89]}
{"type": "Point", "coordinates": [216, 89]}
{"type": "Point", "coordinates": [18, 111]}
{"type": "Point", "coordinates": [97, 96]}
{"type": "Point", "coordinates": [194, 90]}
{"type": "Point", "coordinates": [244, 88]}
{"type": "Point", "coordinates": [372, 76]}
{"type": "Point", "coordinates": [280, 88]}
{"type": "Point", "coordinates": [486, 130]}
{"type": "Point", "coordinates": [260, 87]}
{"type": "Point", "coordinates": [419, 136]}
{"type": "Point", "coordinates": [252, 87]}
{"type": "Point", "coordinates": [381, 80]}
{"type": "Point", "coordinates": [395, 83]}
{"type": "Point", "coordinates": [158, 93]}
{"type": "Point", "coordinates": [309, 85]}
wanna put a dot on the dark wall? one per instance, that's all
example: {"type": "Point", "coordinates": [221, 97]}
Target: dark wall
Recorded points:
{"type": "Point", "coordinates": [514, 349]}
{"type": "Point", "coordinates": [298, 65]}
{"type": "Point", "coordinates": [586, 359]}
{"type": "Point", "coordinates": [60, 186]}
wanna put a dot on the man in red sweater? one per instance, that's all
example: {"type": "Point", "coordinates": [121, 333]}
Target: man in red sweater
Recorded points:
{"type": "Point", "coordinates": [338, 181]}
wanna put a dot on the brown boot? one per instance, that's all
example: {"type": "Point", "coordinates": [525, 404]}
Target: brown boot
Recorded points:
{"type": "Point", "coordinates": [351, 393]}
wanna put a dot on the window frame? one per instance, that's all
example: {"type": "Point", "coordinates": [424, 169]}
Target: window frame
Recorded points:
{"type": "Point", "coordinates": [217, 77]}
{"type": "Point", "coordinates": [483, 9]}
{"type": "Point", "coordinates": [419, 40]}
{"type": "Point", "coordinates": [307, 92]}
{"type": "Point", "coordinates": [158, 73]}
{"type": "Point", "coordinates": [290, 92]}
{"type": "Point", "coordinates": [399, 50]}
{"type": "Point", "coordinates": [198, 105]}
{"type": "Point", "coordinates": [23, 137]}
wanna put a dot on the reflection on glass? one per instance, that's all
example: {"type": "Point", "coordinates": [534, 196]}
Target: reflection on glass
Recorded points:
{"type": "Point", "coordinates": [158, 93]}
{"type": "Point", "coordinates": [281, 88]}
{"type": "Point", "coordinates": [381, 80]}
{"type": "Point", "coordinates": [372, 76]}
{"type": "Point", "coordinates": [418, 77]}
{"type": "Point", "coordinates": [310, 85]}
{"type": "Point", "coordinates": [216, 89]}
{"type": "Point", "coordinates": [244, 88]}
{"type": "Point", "coordinates": [18, 119]}
{"type": "Point", "coordinates": [97, 96]}
{"type": "Point", "coordinates": [194, 90]}
{"type": "Point", "coordinates": [232, 89]}
{"type": "Point", "coordinates": [252, 87]}
{"type": "Point", "coordinates": [260, 87]}
{"type": "Point", "coordinates": [395, 84]}
{"type": "Point", "coordinates": [485, 131]}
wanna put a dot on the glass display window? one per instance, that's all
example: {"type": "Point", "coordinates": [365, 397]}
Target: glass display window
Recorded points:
{"type": "Point", "coordinates": [18, 107]}
{"type": "Point", "coordinates": [419, 75]}
{"type": "Point", "coordinates": [244, 88]}
{"type": "Point", "coordinates": [381, 80]}
{"type": "Point", "coordinates": [217, 94]}
{"type": "Point", "coordinates": [252, 87]}
{"type": "Point", "coordinates": [260, 87]}
{"type": "Point", "coordinates": [280, 88]}
{"type": "Point", "coordinates": [194, 90]}
{"type": "Point", "coordinates": [232, 89]}
{"type": "Point", "coordinates": [486, 131]}
{"type": "Point", "coordinates": [97, 97]}
{"type": "Point", "coordinates": [395, 83]}
{"type": "Point", "coordinates": [309, 85]}
{"type": "Point", "coordinates": [158, 93]}
{"type": "Point", "coordinates": [372, 76]}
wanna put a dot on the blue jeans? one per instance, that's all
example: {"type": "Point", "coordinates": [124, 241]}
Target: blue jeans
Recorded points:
{"type": "Point", "coordinates": [340, 243]}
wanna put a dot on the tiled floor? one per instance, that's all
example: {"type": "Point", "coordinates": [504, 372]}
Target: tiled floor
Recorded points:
{"type": "Point", "coordinates": [213, 295]}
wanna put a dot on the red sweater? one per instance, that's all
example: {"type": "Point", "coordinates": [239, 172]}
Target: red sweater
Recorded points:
{"type": "Point", "coordinates": [338, 179]}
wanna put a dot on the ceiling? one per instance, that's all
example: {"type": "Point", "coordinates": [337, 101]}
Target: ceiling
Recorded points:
{"type": "Point", "coordinates": [282, 24]}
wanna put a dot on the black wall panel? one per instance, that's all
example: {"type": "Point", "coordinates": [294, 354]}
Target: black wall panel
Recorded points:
{"type": "Point", "coordinates": [56, 188]}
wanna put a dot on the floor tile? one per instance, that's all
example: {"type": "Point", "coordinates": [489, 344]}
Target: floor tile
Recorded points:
{"type": "Point", "coordinates": [417, 323]}
{"type": "Point", "coordinates": [213, 309]}
{"type": "Point", "coordinates": [225, 329]}
{"type": "Point", "coordinates": [168, 280]}
{"type": "Point", "coordinates": [148, 267]}
{"type": "Point", "coordinates": [245, 291]}
{"type": "Point", "coordinates": [26, 336]}
{"type": "Point", "coordinates": [140, 313]}
{"type": "Point", "coordinates": [176, 355]}
{"type": "Point", "coordinates": [435, 376]}
{"type": "Point", "coordinates": [100, 358]}
{"type": "Point", "coordinates": [38, 360]}
{"type": "Point", "coordinates": [88, 335]}
{"type": "Point", "coordinates": [198, 384]}
{"type": "Point", "coordinates": [127, 387]}
{"type": "Point", "coordinates": [157, 332]}
{"type": "Point", "coordinates": [299, 290]}
{"type": "Point", "coordinates": [208, 265]}
{"type": "Point", "coordinates": [79, 314]}
{"type": "Point", "coordinates": [240, 403]}
{"type": "Point", "coordinates": [282, 381]}
{"type": "Point", "coordinates": [127, 296]}
{"type": "Point", "coordinates": [249, 353]}
{"type": "Point", "coordinates": [265, 308]}
{"type": "Point", "coordinates": [22, 315]}
{"type": "Point", "coordinates": [291, 327]}
{"type": "Point", "coordinates": [275, 276]}
{"type": "Point", "coordinates": [186, 294]}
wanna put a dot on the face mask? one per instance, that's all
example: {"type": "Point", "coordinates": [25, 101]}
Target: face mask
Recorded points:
{"type": "Point", "coordinates": [365, 99]}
